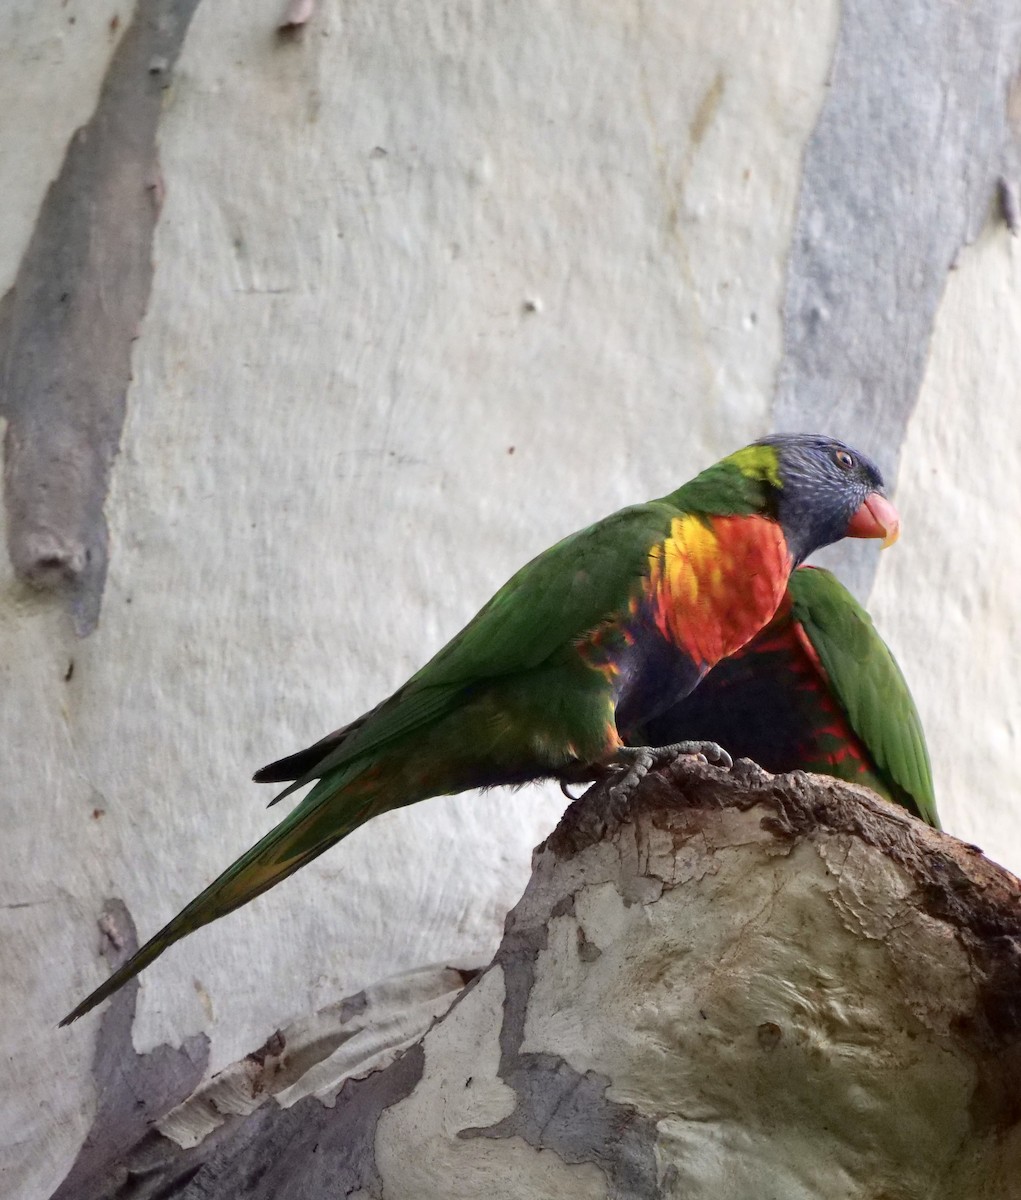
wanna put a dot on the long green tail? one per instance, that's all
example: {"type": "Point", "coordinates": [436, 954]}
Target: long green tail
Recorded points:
{"type": "Point", "coordinates": [333, 809]}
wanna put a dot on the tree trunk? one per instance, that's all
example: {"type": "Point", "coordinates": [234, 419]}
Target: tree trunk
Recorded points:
{"type": "Point", "coordinates": [736, 986]}
{"type": "Point", "coordinates": [311, 337]}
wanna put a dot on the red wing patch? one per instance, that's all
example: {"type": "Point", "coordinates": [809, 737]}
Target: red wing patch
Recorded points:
{"type": "Point", "coordinates": [836, 742]}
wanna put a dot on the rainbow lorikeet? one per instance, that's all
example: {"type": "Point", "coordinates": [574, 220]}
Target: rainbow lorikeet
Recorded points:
{"type": "Point", "coordinates": [816, 690]}
{"type": "Point", "coordinates": [555, 674]}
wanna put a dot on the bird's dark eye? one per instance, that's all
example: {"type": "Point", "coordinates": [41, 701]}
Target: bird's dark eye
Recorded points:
{"type": "Point", "coordinates": [843, 459]}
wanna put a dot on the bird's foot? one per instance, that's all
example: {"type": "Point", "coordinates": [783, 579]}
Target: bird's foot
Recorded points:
{"type": "Point", "coordinates": [635, 762]}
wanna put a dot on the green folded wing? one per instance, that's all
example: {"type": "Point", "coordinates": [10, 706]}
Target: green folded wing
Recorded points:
{"type": "Point", "coordinates": [867, 682]}
{"type": "Point", "coordinates": [554, 598]}
{"type": "Point", "coordinates": [569, 589]}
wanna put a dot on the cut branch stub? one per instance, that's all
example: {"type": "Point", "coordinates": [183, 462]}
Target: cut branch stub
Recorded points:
{"type": "Point", "coordinates": [750, 985]}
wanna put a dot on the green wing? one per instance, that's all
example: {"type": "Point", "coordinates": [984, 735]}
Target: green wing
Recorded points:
{"type": "Point", "coordinates": [556, 598]}
{"type": "Point", "coordinates": [867, 683]}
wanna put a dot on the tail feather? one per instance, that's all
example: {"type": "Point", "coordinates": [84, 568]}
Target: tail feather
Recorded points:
{"type": "Point", "coordinates": [294, 766]}
{"type": "Point", "coordinates": [301, 766]}
{"type": "Point", "coordinates": [328, 814]}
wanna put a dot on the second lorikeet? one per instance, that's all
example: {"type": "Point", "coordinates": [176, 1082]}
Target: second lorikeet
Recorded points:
{"type": "Point", "coordinates": [556, 673]}
{"type": "Point", "coordinates": [816, 690]}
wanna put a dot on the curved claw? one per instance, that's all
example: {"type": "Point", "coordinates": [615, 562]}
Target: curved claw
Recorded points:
{"type": "Point", "coordinates": [660, 756]}
{"type": "Point", "coordinates": [637, 761]}
{"type": "Point", "coordinates": [712, 752]}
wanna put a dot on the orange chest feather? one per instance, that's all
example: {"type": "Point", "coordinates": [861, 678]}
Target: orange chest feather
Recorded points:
{"type": "Point", "coordinates": [713, 587]}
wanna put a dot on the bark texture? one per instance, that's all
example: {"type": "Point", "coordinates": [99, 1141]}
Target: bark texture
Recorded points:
{"type": "Point", "coordinates": [68, 323]}
{"type": "Point", "coordinates": [743, 986]}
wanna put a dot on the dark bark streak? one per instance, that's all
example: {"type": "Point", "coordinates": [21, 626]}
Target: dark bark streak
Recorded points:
{"type": "Point", "coordinates": [134, 1090]}
{"type": "Point", "coordinates": [67, 325]}
{"type": "Point", "coordinates": [559, 1108]}
{"type": "Point", "coordinates": [900, 172]}
{"type": "Point", "coordinates": [307, 1150]}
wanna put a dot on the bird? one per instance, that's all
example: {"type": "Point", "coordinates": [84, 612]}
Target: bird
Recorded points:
{"type": "Point", "coordinates": [816, 690]}
{"type": "Point", "coordinates": [556, 673]}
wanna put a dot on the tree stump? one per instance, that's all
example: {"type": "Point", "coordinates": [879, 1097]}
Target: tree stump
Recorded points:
{"type": "Point", "coordinates": [745, 986]}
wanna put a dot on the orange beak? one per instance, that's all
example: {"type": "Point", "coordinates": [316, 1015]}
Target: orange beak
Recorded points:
{"type": "Point", "coordinates": [877, 518]}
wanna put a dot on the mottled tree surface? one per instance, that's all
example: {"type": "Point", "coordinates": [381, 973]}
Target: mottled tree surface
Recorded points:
{"type": "Point", "coordinates": [745, 986]}
{"type": "Point", "coordinates": [68, 323]}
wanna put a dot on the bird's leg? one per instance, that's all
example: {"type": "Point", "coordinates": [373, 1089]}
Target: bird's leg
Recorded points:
{"type": "Point", "coordinates": [635, 762]}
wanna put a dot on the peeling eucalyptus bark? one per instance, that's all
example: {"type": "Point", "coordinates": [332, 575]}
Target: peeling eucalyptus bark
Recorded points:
{"type": "Point", "coordinates": [747, 985]}
{"type": "Point", "coordinates": [559, 1108]}
{"type": "Point", "coordinates": [900, 173]}
{"type": "Point", "coordinates": [68, 323]}
{"type": "Point", "coordinates": [225, 1124]}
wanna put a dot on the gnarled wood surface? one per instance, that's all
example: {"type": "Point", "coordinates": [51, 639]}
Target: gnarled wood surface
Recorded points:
{"type": "Point", "coordinates": [746, 986]}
